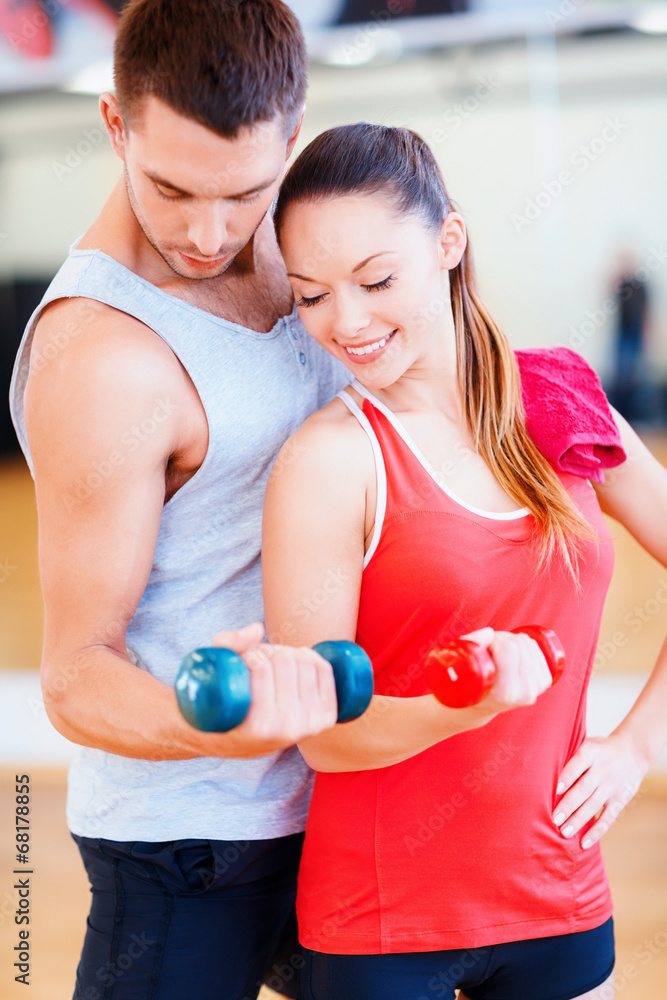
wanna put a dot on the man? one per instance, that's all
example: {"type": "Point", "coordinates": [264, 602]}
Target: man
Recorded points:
{"type": "Point", "coordinates": [631, 306]}
{"type": "Point", "coordinates": [154, 386]}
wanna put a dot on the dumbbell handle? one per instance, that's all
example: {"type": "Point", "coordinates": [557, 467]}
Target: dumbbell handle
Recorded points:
{"type": "Point", "coordinates": [461, 672]}
{"type": "Point", "coordinates": [213, 685]}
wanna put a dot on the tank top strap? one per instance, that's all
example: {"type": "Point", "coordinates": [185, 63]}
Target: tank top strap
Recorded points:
{"type": "Point", "coordinates": [403, 484]}
{"type": "Point", "coordinates": [380, 470]}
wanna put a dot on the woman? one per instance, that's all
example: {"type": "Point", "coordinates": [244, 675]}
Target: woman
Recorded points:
{"type": "Point", "coordinates": [448, 848]}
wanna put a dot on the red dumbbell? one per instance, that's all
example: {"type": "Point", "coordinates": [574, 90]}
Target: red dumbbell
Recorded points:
{"type": "Point", "coordinates": [462, 672]}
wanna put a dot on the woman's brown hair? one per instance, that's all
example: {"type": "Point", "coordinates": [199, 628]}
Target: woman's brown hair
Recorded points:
{"type": "Point", "coordinates": [364, 158]}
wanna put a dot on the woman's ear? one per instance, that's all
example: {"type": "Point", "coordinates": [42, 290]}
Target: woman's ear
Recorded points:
{"type": "Point", "coordinates": [453, 241]}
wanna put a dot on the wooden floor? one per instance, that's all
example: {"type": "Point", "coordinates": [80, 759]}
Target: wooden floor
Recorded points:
{"type": "Point", "coordinates": [20, 595]}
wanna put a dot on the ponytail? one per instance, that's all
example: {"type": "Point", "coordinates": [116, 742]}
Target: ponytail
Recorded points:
{"type": "Point", "coordinates": [490, 388]}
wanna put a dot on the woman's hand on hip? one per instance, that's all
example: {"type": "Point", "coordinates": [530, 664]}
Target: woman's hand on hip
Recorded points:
{"type": "Point", "coordinates": [599, 781]}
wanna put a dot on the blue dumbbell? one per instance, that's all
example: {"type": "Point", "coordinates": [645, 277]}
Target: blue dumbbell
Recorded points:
{"type": "Point", "coordinates": [213, 685]}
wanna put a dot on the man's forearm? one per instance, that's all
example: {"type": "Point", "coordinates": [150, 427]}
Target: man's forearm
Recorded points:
{"type": "Point", "coordinates": [108, 703]}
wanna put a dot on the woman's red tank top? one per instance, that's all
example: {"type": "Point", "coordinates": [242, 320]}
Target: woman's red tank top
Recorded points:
{"type": "Point", "coordinates": [456, 847]}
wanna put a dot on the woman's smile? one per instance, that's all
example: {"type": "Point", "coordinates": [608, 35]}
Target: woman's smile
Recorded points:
{"type": "Point", "coordinates": [365, 353]}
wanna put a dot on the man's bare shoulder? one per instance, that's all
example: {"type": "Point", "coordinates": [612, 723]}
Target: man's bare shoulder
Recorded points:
{"type": "Point", "coordinates": [81, 331]}
{"type": "Point", "coordinates": [94, 373]}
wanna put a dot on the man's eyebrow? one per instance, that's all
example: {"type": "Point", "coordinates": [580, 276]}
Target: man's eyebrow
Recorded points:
{"type": "Point", "coordinates": [163, 183]}
{"type": "Point", "coordinates": [188, 194]}
{"type": "Point", "coordinates": [302, 277]}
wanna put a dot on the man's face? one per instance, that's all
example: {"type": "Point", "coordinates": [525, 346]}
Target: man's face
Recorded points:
{"type": "Point", "coordinates": [197, 196]}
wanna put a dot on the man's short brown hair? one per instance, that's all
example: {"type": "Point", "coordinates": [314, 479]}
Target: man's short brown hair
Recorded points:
{"type": "Point", "coordinates": [224, 63]}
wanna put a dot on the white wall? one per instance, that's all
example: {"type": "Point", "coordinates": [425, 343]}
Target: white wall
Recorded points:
{"type": "Point", "coordinates": [523, 112]}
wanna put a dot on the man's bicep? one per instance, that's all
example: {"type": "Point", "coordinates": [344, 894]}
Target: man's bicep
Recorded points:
{"type": "Point", "coordinates": [100, 452]}
{"type": "Point", "coordinates": [97, 537]}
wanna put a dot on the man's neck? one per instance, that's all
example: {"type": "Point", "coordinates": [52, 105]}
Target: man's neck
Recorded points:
{"type": "Point", "coordinates": [254, 290]}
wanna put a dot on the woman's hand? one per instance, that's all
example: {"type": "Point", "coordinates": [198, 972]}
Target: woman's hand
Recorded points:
{"type": "Point", "coordinates": [599, 780]}
{"type": "Point", "coordinates": [522, 672]}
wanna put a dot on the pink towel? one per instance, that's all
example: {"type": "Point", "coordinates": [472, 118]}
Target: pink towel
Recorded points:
{"type": "Point", "coordinates": [567, 413]}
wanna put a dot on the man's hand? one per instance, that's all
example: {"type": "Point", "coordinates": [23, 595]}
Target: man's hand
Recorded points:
{"type": "Point", "coordinates": [292, 689]}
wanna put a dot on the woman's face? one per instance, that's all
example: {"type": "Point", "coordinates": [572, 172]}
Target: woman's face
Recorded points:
{"type": "Point", "coordinates": [373, 288]}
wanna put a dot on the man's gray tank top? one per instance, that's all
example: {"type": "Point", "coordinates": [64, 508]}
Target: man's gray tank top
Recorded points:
{"type": "Point", "coordinates": [256, 390]}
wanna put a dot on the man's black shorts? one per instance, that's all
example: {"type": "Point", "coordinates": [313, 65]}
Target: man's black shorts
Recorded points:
{"type": "Point", "coordinates": [209, 919]}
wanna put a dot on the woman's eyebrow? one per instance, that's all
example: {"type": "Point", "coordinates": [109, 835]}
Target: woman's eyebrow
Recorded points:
{"type": "Point", "coordinates": [369, 259]}
{"type": "Point", "coordinates": [382, 253]}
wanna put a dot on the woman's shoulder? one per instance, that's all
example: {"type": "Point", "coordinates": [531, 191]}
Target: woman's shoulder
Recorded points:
{"type": "Point", "coordinates": [329, 444]}
{"type": "Point", "coordinates": [332, 423]}
{"type": "Point", "coordinates": [567, 412]}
